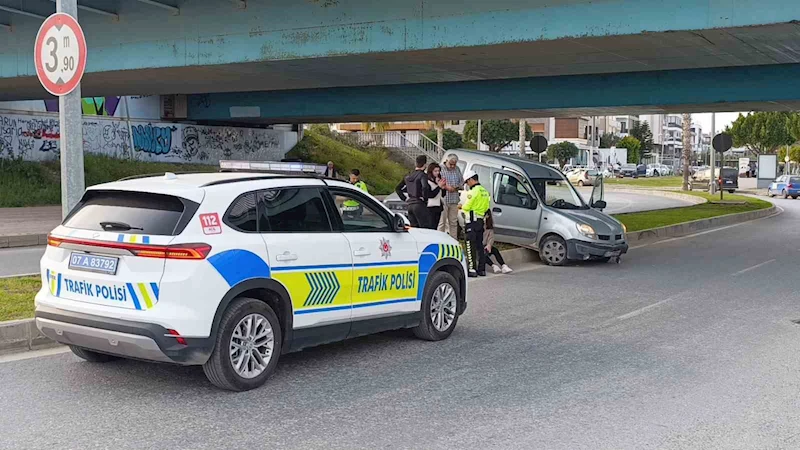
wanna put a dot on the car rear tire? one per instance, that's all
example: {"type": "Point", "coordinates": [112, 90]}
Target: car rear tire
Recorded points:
{"type": "Point", "coordinates": [769, 193]}
{"type": "Point", "coordinates": [439, 308]}
{"type": "Point", "coordinates": [580, 183]}
{"type": "Point", "coordinates": [553, 251]}
{"type": "Point", "coordinates": [247, 346]}
{"type": "Point", "coordinates": [92, 356]}
{"type": "Point", "coordinates": [794, 197]}
{"type": "Point", "coordinates": [785, 194]}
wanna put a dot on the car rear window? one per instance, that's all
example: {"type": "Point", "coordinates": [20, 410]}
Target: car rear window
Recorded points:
{"type": "Point", "coordinates": [794, 180]}
{"type": "Point", "coordinates": [730, 173]}
{"type": "Point", "coordinates": [144, 212]}
{"type": "Point", "coordinates": [591, 173]}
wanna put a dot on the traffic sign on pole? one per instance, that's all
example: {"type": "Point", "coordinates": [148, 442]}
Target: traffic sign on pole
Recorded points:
{"type": "Point", "coordinates": [722, 142]}
{"type": "Point", "coordinates": [60, 54]}
{"type": "Point", "coordinates": [60, 60]}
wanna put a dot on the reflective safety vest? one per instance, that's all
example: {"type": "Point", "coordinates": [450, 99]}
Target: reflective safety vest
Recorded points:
{"type": "Point", "coordinates": [478, 202]}
{"type": "Point", "coordinates": [350, 203]}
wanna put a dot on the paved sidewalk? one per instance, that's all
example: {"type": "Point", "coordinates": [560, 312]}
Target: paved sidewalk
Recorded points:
{"type": "Point", "coordinates": [21, 227]}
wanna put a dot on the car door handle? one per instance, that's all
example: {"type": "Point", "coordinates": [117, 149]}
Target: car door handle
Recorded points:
{"type": "Point", "coordinates": [361, 252]}
{"type": "Point", "coordinates": [497, 210]}
{"type": "Point", "coordinates": [286, 256]}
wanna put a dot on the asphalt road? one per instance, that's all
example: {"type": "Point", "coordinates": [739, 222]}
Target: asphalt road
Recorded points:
{"type": "Point", "coordinates": [689, 343]}
{"type": "Point", "coordinates": [26, 260]}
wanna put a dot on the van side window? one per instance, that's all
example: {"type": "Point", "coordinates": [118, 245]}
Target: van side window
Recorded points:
{"type": "Point", "coordinates": [484, 175]}
{"type": "Point", "coordinates": [509, 190]}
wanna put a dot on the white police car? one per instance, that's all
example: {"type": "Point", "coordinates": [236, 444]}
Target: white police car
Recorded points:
{"type": "Point", "coordinates": [231, 270]}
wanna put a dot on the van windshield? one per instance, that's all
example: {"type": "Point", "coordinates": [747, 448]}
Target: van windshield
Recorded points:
{"type": "Point", "coordinates": [558, 194]}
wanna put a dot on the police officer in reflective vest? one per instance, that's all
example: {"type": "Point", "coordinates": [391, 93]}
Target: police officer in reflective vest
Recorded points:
{"type": "Point", "coordinates": [475, 208]}
{"type": "Point", "coordinates": [352, 208]}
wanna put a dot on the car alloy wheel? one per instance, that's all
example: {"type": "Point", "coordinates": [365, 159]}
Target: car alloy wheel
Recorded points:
{"type": "Point", "coordinates": [443, 307]}
{"type": "Point", "coordinates": [252, 345]}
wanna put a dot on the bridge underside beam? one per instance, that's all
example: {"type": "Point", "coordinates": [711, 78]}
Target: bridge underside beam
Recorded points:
{"type": "Point", "coordinates": [772, 87]}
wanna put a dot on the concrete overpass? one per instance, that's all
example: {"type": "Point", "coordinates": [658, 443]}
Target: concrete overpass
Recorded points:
{"type": "Point", "coordinates": [304, 59]}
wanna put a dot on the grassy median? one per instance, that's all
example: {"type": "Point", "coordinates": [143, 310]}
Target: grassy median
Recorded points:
{"type": "Point", "coordinates": [652, 182]}
{"type": "Point", "coordinates": [16, 297]}
{"type": "Point", "coordinates": [665, 217]}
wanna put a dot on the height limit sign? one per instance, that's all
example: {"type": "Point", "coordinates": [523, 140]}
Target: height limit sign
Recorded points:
{"type": "Point", "coordinates": [60, 54]}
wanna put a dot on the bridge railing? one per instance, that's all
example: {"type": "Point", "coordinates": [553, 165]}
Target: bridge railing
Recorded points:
{"type": "Point", "coordinates": [410, 145]}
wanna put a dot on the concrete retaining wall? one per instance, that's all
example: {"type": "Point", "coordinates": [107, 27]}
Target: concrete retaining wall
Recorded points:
{"type": "Point", "coordinates": [697, 225]}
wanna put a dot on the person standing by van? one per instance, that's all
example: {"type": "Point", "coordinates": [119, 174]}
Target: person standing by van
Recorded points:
{"type": "Point", "coordinates": [455, 182]}
{"type": "Point", "coordinates": [475, 209]}
{"type": "Point", "coordinates": [436, 184]}
{"type": "Point", "coordinates": [414, 189]}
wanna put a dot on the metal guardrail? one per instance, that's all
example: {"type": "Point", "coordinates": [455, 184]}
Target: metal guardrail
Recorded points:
{"type": "Point", "coordinates": [400, 142]}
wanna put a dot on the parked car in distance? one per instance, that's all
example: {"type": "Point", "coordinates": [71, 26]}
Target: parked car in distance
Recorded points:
{"type": "Point", "coordinates": [654, 170]}
{"type": "Point", "coordinates": [641, 170]}
{"type": "Point", "coordinates": [628, 170]}
{"type": "Point", "coordinates": [582, 177]}
{"type": "Point", "coordinates": [726, 178]}
{"type": "Point", "coordinates": [786, 185]}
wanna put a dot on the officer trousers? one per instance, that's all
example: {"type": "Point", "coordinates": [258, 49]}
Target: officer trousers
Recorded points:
{"type": "Point", "coordinates": [475, 252]}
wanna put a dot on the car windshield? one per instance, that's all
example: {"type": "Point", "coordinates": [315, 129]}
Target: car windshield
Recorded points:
{"type": "Point", "coordinates": [559, 194]}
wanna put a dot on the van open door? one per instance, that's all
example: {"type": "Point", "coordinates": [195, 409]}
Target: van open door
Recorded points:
{"type": "Point", "coordinates": [597, 199]}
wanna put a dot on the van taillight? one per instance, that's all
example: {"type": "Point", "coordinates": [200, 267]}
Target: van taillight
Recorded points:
{"type": "Point", "coordinates": [178, 251]}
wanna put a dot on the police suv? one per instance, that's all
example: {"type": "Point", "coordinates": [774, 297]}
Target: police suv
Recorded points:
{"type": "Point", "coordinates": [231, 270]}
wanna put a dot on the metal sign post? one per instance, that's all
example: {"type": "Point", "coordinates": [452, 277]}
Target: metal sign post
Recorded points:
{"type": "Point", "coordinates": [712, 153]}
{"type": "Point", "coordinates": [60, 59]}
{"type": "Point", "coordinates": [721, 143]}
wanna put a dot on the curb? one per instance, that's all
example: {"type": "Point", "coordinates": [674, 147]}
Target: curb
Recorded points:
{"type": "Point", "coordinates": [23, 240]}
{"type": "Point", "coordinates": [699, 225]}
{"type": "Point", "coordinates": [21, 336]}
{"type": "Point", "coordinates": [519, 255]}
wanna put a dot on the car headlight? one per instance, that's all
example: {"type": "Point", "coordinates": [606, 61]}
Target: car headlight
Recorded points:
{"type": "Point", "coordinates": [586, 230]}
{"type": "Point", "coordinates": [624, 228]}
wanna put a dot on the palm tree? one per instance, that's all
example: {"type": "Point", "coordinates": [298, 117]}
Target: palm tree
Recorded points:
{"type": "Point", "coordinates": [687, 149]}
{"type": "Point", "coordinates": [522, 133]}
{"type": "Point", "coordinates": [375, 127]}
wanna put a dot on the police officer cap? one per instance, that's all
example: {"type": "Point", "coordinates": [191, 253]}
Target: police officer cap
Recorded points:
{"type": "Point", "coordinates": [469, 174]}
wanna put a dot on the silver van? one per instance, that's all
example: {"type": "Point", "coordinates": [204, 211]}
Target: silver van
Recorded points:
{"type": "Point", "coordinates": [534, 206]}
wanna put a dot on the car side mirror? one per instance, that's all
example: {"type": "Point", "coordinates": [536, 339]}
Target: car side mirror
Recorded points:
{"type": "Point", "coordinates": [599, 204]}
{"type": "Point", "coordinates": [534, 203]}
{"type": "Point", "coordinates": [399, 223]}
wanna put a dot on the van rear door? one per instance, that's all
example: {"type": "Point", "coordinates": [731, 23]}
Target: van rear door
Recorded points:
{"type": "Point", "coordinates": [111, 249]}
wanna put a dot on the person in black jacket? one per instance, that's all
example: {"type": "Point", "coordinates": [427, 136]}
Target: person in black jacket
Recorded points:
{"type": "Point", "coordinates": [415, 191]}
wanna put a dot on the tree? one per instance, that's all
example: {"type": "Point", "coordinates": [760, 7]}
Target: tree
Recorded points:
{"type": "Point", "coordinates": [764, 132]}
{"type": "Point", "coordinates": [450, 139]}
{"type": "Point", "coordinates": [496, 134]}
{"type": "Point", "coordinates": [523, 135]}
{"type": "Point", "coordinates": [438, 125]}
{"type": "Point", "coordinates": [608, 140]}
{"type": "Point", "coordinates": [634, 148]}
{"type": "Point", "coordinates": [794, 154]}
{"type": "Point", "coordinates": [641, 131]}
{"type": "Point", "coordinates": [562, 152]}
{"type": "Point", "coordinates": [687, 148]}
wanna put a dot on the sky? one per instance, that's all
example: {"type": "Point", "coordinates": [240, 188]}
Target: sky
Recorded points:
{"type": "Point", "coordinates": [722, 120]}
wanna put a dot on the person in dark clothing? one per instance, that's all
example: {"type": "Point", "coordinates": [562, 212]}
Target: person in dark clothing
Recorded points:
{"type": "Point", "coordinates": [330, 171]}
{"type": "Point", "coordinates": [415, 191]}
{"type": "Point", "coordinates": [435, 201]}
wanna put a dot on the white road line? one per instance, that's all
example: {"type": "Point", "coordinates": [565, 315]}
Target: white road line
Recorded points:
{"type": "Point", "coordinates": [645, 309]}
{"type": "Point", "coordinates": [753, 267]}
{"type": "Point", "coordinates": [34, 354]}
{"type": "Point", "coordinates": [780, 211]}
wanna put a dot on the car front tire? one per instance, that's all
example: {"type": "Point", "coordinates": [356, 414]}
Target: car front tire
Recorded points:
{"type": "Point", "coordinates": [553, 251]}
{"type": "Point", "coordinates": [247, 346]}
{"type": "Point", "coordinates": [439, 308]}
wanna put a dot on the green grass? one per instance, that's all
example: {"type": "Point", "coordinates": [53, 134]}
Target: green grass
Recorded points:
{"type": "Point", "coordinates": [647, 182]}
{"type": "Point", "coordinates": [16, 297]}
{"type": "Point", "coordinates": [27, 183]}
{"type": "Point", "coordinates": [665, 217]}
{"type": "Point", "coordinates": [377, 169]}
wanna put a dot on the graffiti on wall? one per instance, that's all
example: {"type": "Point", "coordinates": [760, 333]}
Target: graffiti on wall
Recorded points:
{"type": "Point", "coordinates": [35, 137]}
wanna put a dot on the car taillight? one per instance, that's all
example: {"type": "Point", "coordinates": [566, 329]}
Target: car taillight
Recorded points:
{"type": "Point", "coordinates": [178, 251]}
{"type": "Point", "coordinates": [177, 336]}
{"type": "Point", "coordinates": [789, 186]}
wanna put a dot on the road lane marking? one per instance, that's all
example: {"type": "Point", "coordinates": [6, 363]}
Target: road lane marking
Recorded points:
{"type": "Point", "coordinates": [644, 309]}
{"type": "Point", "coordinates": [33, 354]}
{"type": "Point", "coordinates": [753, 267]}
{"type": "Point", "coordinates": [780, 211]}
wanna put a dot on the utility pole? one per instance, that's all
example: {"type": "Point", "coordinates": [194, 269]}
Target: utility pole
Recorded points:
{"type": "Point", "coordinates": [71, 129]}
{"type": "Point", "coordinates": [712, 155]}
{"type": "Point", "coordinates": [479, 134]}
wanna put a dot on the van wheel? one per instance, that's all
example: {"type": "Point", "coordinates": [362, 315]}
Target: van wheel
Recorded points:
{"type": "Point", "coordinates": [553, 251]}
{"type": "Point", "coordinates": [247, 346]}
{"type": "Point", "coordinates": [91, 356]}
{"type": "Point", "coordinates": [439, 308]}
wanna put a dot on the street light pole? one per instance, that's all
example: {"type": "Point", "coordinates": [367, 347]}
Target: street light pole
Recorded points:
{"type": "Point", "coordinates": [712, 155]}
{"type": "Point", "coordinates": [479, 134]}
{"type": "Point", "coordinates": [71, 129]}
